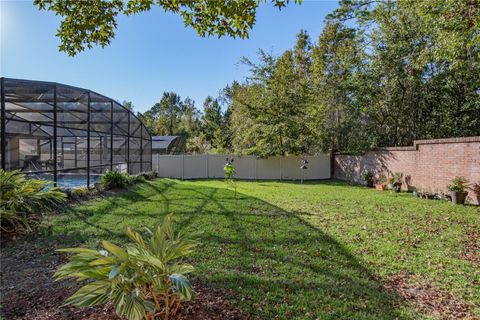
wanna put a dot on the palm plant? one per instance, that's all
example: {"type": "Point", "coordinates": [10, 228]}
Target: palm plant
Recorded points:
{"type": "Point", "coordinates": [115, 179]}
{"type": "Point", "coordinates": [144, 280]}
{"type": "Point", "coordinates": [20, 197]}
{"type": "Point", "coordinates": [10, 221]}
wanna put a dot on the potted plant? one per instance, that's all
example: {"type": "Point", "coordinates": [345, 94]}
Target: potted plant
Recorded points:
{"type": "Point", "coordinates": [381, 183]}
{"type": "Point", "coordinates": [476, 191]}
{"type": "Point", "coordinates": [395, 182]}
{"type": "Point", "coordinates": [457, 190]}
{"type": "Point", "coordinates": [368, 177]}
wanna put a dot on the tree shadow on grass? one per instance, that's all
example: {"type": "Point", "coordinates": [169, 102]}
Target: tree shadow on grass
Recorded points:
{"type": "Point", "coordinates": [277, 264]}
{"type": "Point", "coordinates": [270, 262]}
{"type": "Point", "coordinates": [280, 266]}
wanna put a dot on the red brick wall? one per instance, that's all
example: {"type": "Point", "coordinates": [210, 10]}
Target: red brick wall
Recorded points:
{"type": "Point", "coordinates": [427, 165]}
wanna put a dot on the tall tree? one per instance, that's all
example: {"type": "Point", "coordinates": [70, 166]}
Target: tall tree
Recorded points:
{"type": "Point", "coordinates": [190, 122]}
{"type": "Point", "coordinates": [275, 100]}
{"type": "Point", "coordinates": [128, 105]}
{"type": "Point", "coordinates": [169, 114]}
{"type": "Point", "coordinates": [212, 118]}
{"type": "Point", "coordinates": [172, 116]}
{"type": "Point", "coordinates": [335, 67]}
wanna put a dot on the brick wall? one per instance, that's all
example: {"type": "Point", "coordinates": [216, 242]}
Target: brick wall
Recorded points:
{"type": "Point", "coordinates": [428, 164]}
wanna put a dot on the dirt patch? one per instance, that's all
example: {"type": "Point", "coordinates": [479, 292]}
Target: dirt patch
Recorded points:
{"type": "Point", "coordinates": [29, 292]}
{"type": "Point", "coordinates": [471, 247]}
{"type": "Point", "coordinates": [430, 300]}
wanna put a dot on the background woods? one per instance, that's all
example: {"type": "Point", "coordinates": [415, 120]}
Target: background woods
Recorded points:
{"type": "Point", "coordinates": [381, 73]}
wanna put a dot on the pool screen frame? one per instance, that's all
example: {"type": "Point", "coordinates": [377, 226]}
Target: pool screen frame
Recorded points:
{"type": "Point", "coordinates": [47, 98]}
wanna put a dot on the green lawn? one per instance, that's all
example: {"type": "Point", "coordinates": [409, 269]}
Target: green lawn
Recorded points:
{"type": "Point", "coordinates": [320, 250]}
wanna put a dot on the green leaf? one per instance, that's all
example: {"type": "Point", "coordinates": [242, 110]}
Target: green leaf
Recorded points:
{"type": "Point", "coordinates": [149, 306]}
{"type": "Point", "coordinates": [115, 250]}
{"type": "Point", "coordinates": [91, 294]}
{"type": "Point", "coordinates": [119, 299]}
{"type": "Point", "coordinates": [113, 272]}
{"type": "Point", "coordinates": [101, 273]}
{"type": "Point", "coordinates": [102, 261]}
{"type": "Point", "coordinates": [79, 250]}
{"type": "Point", "coordinates": [158, 283]}
{"type": "Point", "coordinates": [135, 236]}
{"type": "Point", "coordinates": [183, 268]}
{"type": "Point", "coordinates": [134, 307]}
{"type": "Point", "coordinates": [182, 286]}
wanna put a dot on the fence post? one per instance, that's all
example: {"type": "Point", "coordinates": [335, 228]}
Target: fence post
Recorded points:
{"type": "Point", "coordinates": [255, 176]}
{"type": "Point", "coordinates": [208, 174]}
{"type": "Point", "coordinates": [183, 167]}
{"type": "Point", "coordinates": [281, 168]}
{"type": "Point", "coordinates": [332, 165]}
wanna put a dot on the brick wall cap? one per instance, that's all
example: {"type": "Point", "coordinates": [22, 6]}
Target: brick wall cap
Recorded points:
{"type": "Point", "coordinates": [448, 140]}
{"type": "Point", "coordinates": [416, 143]}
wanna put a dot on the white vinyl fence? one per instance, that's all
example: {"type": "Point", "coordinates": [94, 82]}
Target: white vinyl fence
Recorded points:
{"type": "Point", "coordinates": [247, 167]}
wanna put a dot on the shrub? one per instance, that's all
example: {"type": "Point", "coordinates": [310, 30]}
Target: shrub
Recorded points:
{"type": "Point", "coordinates": [368, 177]}
{"type": "Point", "coordinates": [150, 175]}
{"type": "Point", "coordinates": [20, 197]}
{"type": "Point", "coordinates": [99, 187]}
{"type": "Point", "coordinates": [396, 179]}
{"type": "Point", "coordinates": [153, 174]}
{"type": "Point", "coordinates": [140, 178]}
{"type": "Point", "coordinates": [80, 192]}
{"type": "Point", "coordinates": [457, 185]}
{"type": "Point", "coordinates": [114, 179]}
{"type": "Point", "coordinates": [132, 179]}
{"type": "Point", "coordinates": [382, 179]}
{"type": "Point", "coordinates": [145, 279]}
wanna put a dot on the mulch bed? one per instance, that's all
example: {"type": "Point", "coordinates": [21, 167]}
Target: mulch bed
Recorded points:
{"type": "Point", "coordinates": [29, 292]}
{"type": "Point", "coordinates": [430, 300]}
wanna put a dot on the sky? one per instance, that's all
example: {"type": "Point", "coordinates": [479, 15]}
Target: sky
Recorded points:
{"type": "Point", "coordinates": [152, 52]}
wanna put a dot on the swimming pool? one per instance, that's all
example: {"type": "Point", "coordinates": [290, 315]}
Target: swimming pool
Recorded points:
{"type": "Point", "coordinates": [66, 180]}
{"type": "Point", "coordinates": [75, 181]}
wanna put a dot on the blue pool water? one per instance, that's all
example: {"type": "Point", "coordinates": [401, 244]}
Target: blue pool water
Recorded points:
{"type": "Point", "coordinates": [75, 181]}
{"type": "Point", "coordinates": [68, 181]}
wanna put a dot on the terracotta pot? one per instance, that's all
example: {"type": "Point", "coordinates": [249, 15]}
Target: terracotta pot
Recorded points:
{"type": "Point", "coordinates": [458, 197]}
{"type": "Point", "coordinates": [380, 186]}
{"type": "Point", "coordinates": [394, 186]}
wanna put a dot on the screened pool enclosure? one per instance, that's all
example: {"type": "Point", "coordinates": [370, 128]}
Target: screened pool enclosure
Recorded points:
{"type": "Point", "coordinates": [68, 135]}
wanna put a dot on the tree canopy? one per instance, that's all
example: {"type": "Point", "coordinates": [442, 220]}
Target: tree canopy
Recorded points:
{"type": "Point", "coordinates": [382, 73]}
{"type": "Point", "coordinates": [88, 23]}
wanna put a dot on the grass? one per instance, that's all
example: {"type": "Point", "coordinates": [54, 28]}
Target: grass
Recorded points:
{"type": "Point", "coordinates": [319, 250]}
